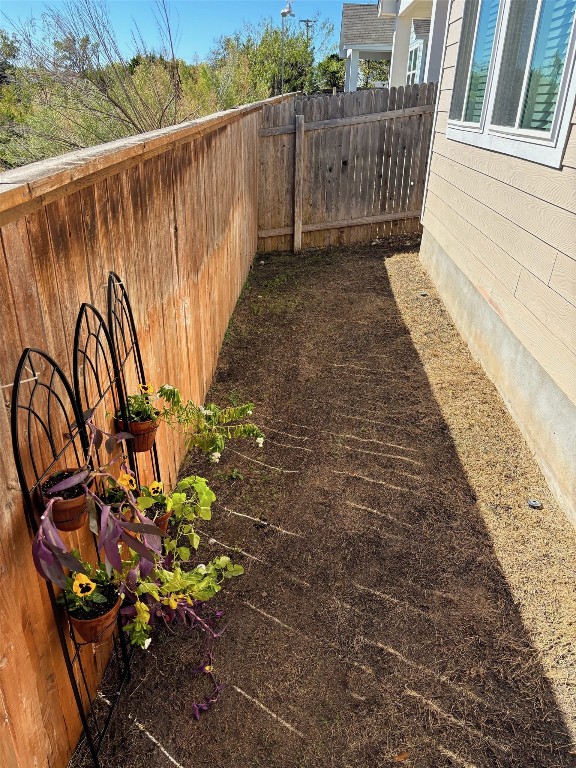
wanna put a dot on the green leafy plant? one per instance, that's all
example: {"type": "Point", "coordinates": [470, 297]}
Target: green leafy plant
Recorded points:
{"type": "Point", "coordinates": [233, 474]}
{"type": "Point", "coordinates": [140, 407]}
{"type": "Point", "coordinates": [114, 494]}
{"type": "Point", "coordinates": [169, 593]}
{"type": "Point", "coordinates": [191, 498]}
{"type": "Point", "coordinates": [213, 426]}
{"type": "Point", "coordinates": [207, 428]}
{"type": "Point", "coordinates": [137, 573]}
{"type": "Point", "coordinates": [145, 404]}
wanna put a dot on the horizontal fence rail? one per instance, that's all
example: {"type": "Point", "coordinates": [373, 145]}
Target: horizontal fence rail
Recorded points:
{"type": "Point", "coordinates": [340, 122]}
{"type": "Point", "coordinates": [344, 168]}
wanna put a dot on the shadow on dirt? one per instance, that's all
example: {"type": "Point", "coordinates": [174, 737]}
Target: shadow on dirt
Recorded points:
{"type": "Point", "coordinates": [374, 625]}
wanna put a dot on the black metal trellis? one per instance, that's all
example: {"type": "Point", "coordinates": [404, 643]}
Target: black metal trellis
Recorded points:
{"type": "Point", "coordinates": [96, 384]}
{"type": "Point", "coordinates": [41, 394]}
{"type": "Point", "coordinates": [127, 350]}
{"type": "Point", "coordinates": [48, 433]}
{"type": "Point", "coordinates": [48, 421]}
{"type": "Point", "coordinates": [97, 378]}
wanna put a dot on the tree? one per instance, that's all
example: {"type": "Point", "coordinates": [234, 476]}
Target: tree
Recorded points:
{"type": "Point", "coordinates": [81, 90]}
{"type": "Point", "coordinates": [12, 108]}
{"type": "Point", "coordinates": [330, 72]}
{"type": "Point", "coordinates": [8, 56]}
{"type": "Point", "coordinates": [373, 71]}
{"type": "Point", "coordinates": [247, 65]}
{"type": "Point", "coordinates": [65, 83]}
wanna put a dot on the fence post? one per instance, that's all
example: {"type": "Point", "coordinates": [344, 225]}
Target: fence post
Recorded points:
{"type": "Point", "coordinates": [298, 181]}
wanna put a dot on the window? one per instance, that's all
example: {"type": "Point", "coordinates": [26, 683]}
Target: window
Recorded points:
{"type": "Point", "coordinates": [472, 75]}
{"type": "Point", "coordinates": [412, 75]}
{"type": "Point", "coordinates": [514, 85]}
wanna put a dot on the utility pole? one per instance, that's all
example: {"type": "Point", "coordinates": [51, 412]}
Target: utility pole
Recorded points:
{"type": "Point", "coordinates": [309, 24]}
{"type": "Point", "coordinates": [287, 11]}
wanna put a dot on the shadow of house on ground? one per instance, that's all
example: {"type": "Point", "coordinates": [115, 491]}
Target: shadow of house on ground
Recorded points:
{"type": "Point", "coordinates": [374, 625]}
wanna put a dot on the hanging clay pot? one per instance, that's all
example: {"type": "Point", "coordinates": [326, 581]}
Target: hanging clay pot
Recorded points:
{"type": "Point", "coordinates": [98, 629]}
{"type": "Point", "coordinates": [144, 433]}
{"type": "Point", "coordinates": [71, 511]}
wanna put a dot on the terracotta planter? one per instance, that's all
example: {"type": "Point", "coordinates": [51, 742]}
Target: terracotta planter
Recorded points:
{"type": "Point", "coordinates": [99, 629]}
{"type": "Point", "coordinates": [162, 520]}
{"type": "Point", "coordinates": [69, 514]}
{"type": "Point", "coordinates": [144, 433]}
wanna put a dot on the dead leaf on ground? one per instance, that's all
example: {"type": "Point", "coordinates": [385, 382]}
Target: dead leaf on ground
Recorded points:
{"type": "Point", "coordinates": [401, 757]}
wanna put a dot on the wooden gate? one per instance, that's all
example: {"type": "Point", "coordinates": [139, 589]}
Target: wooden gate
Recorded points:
{"type": "Point", "coordinates": [344, 168]}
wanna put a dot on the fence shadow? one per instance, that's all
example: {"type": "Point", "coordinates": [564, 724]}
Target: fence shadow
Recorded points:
{"type": "Point", "coordinates": [374, 622]}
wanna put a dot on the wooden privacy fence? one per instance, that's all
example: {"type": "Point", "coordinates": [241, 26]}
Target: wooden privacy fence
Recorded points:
{"type": "Point", "coordinates": [178, 214]}
{"type": "Point", "coordinates": [174, 213]}
{"type": "Point", "coordinates": [343, 168]}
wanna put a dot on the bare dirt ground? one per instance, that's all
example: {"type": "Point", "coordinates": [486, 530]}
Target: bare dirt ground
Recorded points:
{"type": "Point", "coordinates": [404, 605]}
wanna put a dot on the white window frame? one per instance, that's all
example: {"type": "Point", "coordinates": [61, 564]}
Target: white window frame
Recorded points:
{"type": "Point", "coordinates": [536, 146]}
{"type": "Point", "coordinates": [415, 72]}
{"type": "Point", "coordinates": [423, 56]}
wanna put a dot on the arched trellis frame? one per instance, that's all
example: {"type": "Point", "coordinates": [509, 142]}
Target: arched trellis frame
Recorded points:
{"type": "Point", "coordinates": [45, 421]}
{"type": "Point", "coordinates": [48, 434]}
{"type": "Point", "coordinates": [98, 390]}
{"type": "Point", "coordinates": [97, 377]}
{"type": "Point", "coordinates": [127, 350]}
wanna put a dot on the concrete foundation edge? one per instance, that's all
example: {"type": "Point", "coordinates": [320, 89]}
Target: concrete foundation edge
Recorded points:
{"type": "Point", "coordinates": [544, 414]}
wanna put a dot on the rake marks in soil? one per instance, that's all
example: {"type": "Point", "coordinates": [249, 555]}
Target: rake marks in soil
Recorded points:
{"type": "Point", "coordinates": [379, 613]}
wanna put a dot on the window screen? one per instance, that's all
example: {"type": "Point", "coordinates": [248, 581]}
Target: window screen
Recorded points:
{"type": "Point", "coordinates": [536, 86]}
{"type": "Point", "coordinates": [464, 56]}
{"type": "Point", "coordinates": [514, 61]}
{"type": "Point", "coordinates": [481, 60]}
{"type": "Point", "coordinates": [547, 64]}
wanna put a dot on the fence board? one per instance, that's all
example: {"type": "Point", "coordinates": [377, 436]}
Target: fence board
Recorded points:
{"type": "Point", "coordinates": [298, 182]}
{"type": "Point", "coordinates": [332, 192]}
{"type": "Point", "coordinates": [364, 160]}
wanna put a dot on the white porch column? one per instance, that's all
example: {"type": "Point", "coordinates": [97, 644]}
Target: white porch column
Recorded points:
{"type": "Point", "coordinates": [436, 40]}
{"type": "Point", "coordinates": [351, 77]}
{"type": "Point", "coordinates": [400, 50]}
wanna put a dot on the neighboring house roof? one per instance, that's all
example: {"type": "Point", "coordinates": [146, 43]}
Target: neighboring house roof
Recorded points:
{"type": "Point", "coordinates": [421, 27]}
{"type": "Point", "coordinates": [363, 28]}
{"type": "Point", "coordinates": [419, 32]}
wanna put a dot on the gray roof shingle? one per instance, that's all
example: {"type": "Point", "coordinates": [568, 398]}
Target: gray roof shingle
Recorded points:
{"type": "Point", "coordinates": [361, 27]}
{"type": "Point", "coordinates": [421, 26]}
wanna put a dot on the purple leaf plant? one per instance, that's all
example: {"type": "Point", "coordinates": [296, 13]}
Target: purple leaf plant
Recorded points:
{"type": "Point", "coordinates": [118, 523]}
{"type": "Point", "coordinates": [50, 554]}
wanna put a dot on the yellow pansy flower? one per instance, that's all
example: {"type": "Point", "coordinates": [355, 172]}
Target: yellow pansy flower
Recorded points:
{"type": "Point", "coordinates": [156, 488]}
{"type": "Point", "coordinates": [127, 481]}
{"type": "Point", "coordinates": [208, 668]}
{"type": "Point", "coordinates": [146, 389]}
{"type": "Point", "coordinates": [83, 586]}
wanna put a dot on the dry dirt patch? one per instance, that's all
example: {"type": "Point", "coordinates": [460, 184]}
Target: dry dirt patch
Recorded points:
{"type": "Point", "coordinates": [404, 605]}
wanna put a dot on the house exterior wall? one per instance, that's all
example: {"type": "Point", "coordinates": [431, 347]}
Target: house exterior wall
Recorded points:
{"type": "Point", "coordinates": [500, 242]}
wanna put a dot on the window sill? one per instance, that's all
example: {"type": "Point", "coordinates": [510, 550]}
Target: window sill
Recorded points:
{"type": "Point", "coordinates": [536, 151]}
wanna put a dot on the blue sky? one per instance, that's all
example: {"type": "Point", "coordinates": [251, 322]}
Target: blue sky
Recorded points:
{"type": "Point", "coordinates": [200, 22]}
